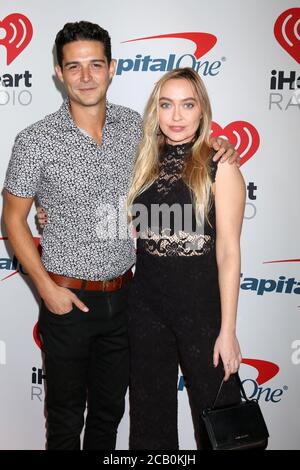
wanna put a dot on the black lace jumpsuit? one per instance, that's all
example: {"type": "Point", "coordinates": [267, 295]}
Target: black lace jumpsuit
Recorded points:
{"type": "Point", "coordinates": [174, 316]}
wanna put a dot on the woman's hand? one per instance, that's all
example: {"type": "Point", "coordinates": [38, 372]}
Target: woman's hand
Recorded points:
{"type": "Point", "coordinates": [227, 347]}
{"type": "Point", "coordinates": [41, 217]}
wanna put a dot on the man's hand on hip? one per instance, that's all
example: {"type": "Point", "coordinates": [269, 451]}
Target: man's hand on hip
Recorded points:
{"type": "Point", "coordinates": [60, 300]}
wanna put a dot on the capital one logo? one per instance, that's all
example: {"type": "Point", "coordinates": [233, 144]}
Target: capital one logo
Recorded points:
{"type": "Point", "coordinates": [243, 136]}
{"type": "Point", "coordinates": [287, 32]}
{"type": "Point", "coordinates": [17, 35]}
{"type": "Point", "coordinates": [203, 43]}
{"type": "Point", "coordinates": [256, 389]}
{"type": "Point", "coordinates": [12, 264]}
{"type": "Point", "coordinates": [266, 370]}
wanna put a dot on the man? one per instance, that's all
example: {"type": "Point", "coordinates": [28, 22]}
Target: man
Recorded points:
{"type": "Point", "coordinates": [74, 161]}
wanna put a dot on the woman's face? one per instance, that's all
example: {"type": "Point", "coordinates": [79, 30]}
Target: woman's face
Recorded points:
{"type": "Point", "coordinates": [179, 111]}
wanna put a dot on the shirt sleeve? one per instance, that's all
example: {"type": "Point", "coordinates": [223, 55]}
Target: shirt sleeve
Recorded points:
{"type": "Point", "coordinates": [24, 168]}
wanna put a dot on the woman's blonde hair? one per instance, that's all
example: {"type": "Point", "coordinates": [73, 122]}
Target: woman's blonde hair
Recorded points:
{"type": "Point", "coordinates": [196, 171]}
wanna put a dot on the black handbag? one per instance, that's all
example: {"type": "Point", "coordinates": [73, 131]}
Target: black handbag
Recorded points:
{"type": "Point", "coordinates": [236, 427]}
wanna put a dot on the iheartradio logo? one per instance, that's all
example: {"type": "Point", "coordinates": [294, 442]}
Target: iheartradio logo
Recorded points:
{"type": "Point", "coordinates": [243, 136]}
{"type": "Point", "coordinates": [36, 336]}
{"type": "Point", "coordinates": [287, 32]}
{"type": "Point", "coordinates": [18, 34]}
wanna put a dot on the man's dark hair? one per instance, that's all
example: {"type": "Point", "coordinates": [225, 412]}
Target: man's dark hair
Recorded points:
{"type": "Point", "coordinates": [82, 31]}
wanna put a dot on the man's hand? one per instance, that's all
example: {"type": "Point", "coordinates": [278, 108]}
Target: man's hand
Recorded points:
{"type": "Point", "coordinates": [225, 151]}
{"type": "Point", "coordinates": [60, 300]}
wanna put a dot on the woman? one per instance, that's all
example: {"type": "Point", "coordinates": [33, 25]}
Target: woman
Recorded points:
{"type": "Point", "coordinates": [183, 299]}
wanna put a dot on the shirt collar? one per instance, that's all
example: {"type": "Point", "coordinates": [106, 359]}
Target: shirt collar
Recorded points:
{"type": "Point", "coordinates": [111, 115]}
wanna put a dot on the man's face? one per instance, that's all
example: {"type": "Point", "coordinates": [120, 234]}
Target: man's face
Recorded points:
{"type": "Point", "coordinates": [85, 73]}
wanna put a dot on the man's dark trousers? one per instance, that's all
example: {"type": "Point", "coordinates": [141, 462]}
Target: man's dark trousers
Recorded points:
{"type": "Point", "coordinates": [86, 361]}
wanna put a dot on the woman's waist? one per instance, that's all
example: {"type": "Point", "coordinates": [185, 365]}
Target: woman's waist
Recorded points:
{"type": "Point", "coordinates": [174, 267]}
{"type": "Point", "coordinates": [184, 283]}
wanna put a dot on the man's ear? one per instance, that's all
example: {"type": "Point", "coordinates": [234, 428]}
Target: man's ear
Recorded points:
{"type": "Point", "coordinates": [59, 73]}
{"type": "Point", "coordinates": [112, 68]}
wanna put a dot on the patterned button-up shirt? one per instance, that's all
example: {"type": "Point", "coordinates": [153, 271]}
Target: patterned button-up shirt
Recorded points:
{"type": "Point", "coordinates": [83, 187]}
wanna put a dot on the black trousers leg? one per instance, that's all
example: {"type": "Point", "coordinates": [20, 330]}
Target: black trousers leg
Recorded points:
{"type": "Point", "coordinates": [195, 340]}
{"type": "Point", "coordinates": [153, 383]}
{"type": "Point", "coordinates": [108, 379]}
{"type": "Point", "coordinates": [86, 355]}
{"type": "Point", "coordinates": [66, 365]}
{"type": "Point", "coordinates": [66, 397]}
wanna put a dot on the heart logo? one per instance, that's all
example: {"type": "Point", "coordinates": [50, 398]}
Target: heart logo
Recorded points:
{"type": "Point", "coordinates": [18, 35]}
{"type": "Point", "coordinates": [287, 32]}
{"type": "Point", "coordinates": [243, 136]}
{"type": "Point", "coordinates": [36, 336]}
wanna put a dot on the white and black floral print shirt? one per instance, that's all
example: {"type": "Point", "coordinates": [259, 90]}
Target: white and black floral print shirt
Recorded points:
{"type": "Point", "coordinates": [82, 186]}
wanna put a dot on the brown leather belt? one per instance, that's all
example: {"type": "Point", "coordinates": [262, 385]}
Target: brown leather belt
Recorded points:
{"type": "Point", "coordinates": [105, 286]}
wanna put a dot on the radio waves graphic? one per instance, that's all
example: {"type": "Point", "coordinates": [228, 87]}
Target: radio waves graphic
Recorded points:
{"type": "Point", "coordinates": [18, 35]}
{"type": "Point", "coordinates": [243, 136]}
{"type": "Point", "coordinates": [287, 32]}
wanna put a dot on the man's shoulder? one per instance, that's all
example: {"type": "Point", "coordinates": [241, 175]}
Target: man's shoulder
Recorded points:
{"type": "Point", "coordinates": [39, 129]}
{"type": "Point", "coordinates": [123, 113]}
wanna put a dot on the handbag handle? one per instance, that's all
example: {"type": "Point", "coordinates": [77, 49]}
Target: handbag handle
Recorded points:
{"type": "Point", "coordinates": [238, 380]}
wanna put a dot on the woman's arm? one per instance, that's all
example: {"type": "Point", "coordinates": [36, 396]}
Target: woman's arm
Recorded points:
{"type": "Point", "coordinates": [230, 204]}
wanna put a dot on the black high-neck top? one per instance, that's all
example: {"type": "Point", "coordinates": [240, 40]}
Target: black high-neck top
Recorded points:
{"type": "Point", "coordinates": [168, 226]}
